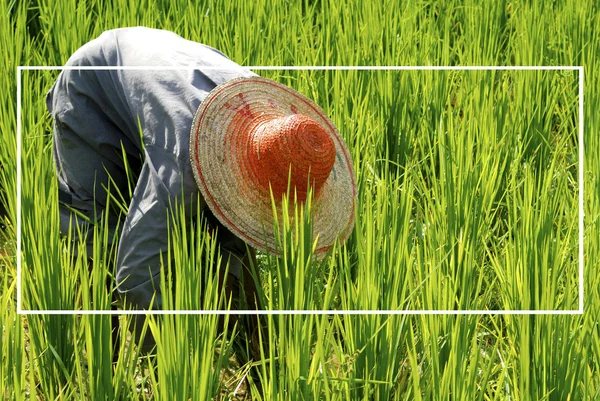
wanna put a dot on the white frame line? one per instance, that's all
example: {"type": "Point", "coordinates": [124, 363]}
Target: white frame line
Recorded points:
{"type": "Point", "coordinates": [309, 67]}
{"type": "Point", "coordinates": [578, 311]}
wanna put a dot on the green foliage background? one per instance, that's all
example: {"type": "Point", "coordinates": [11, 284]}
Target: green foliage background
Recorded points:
{"type": "Point", "coordinates": [433, 151]}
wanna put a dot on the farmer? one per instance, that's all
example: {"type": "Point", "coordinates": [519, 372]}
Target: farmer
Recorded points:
{"type": "Point", "coordinates": [200, 131]}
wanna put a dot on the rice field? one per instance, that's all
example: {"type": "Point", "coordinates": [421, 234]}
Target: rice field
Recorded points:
{"type": "Point", "coordinates": [468, 200]}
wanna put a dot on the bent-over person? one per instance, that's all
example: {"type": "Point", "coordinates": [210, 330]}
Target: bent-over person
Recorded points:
{"type": "Point", "coordinates": [197, 130]}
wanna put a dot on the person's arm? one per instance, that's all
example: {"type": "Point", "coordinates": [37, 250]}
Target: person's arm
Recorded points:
{"type": "Point", "coordinates": [143, 238]}
{"type": "Point", "coordinates": [145, 234]}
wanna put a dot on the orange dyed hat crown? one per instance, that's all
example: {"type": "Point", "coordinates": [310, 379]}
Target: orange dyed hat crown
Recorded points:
{"type": "Point", "coordinates": [295, 144]}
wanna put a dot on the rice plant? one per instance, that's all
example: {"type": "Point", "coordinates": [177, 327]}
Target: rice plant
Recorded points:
{"type": "Point", "coordinates": [468, 199]}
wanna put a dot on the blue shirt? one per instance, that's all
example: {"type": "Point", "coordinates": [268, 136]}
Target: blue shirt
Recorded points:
{"type": "Point", "coordinates": [96, 115]}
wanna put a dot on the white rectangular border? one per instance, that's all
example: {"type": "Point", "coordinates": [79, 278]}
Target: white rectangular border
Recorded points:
{"type": "Point", "coordinates": [578, 311]}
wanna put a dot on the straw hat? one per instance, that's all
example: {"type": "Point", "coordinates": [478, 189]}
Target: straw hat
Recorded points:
{"type": "Point", "coordinates": [245, 136]}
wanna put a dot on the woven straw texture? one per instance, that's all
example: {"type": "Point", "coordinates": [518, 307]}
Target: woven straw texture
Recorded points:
{"type": "Point", "coordinates": [245, 136]}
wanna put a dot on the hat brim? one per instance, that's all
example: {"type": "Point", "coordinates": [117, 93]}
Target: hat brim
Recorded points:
{"type": "Point", "coordinates": [219, 145]}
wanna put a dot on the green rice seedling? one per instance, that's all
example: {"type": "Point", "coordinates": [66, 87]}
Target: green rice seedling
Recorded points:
{"type": "Point", "coordinates": [293, 278]}
{"type": "Point", "coordinates": [588, 325]}
{"type": "Point", "coordinates": [294, 281]}
{"type": "Point", "coordinates": [452, 344]}
{"type": "Point", "coordinates": [15, 362]}
{"type": "Point", "coordinates": [284, 368]}
{"type": "Point", "coordinates": [192, 350]}
{"type": "Point", "coordinates": [46, 286]}
{"type": "Point", "coordinates": [367, 347]}
{"type": "Point", "coordinates": [14, 358]}
{"type": "Point", "coordinates": [467, 198]}
{"type": "Point", "coordinates": [95, 329]}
